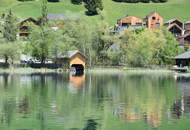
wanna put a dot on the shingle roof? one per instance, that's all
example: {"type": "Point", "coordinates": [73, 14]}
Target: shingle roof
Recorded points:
{"type": "Point", "coordinates": [56, 17]}
{"type": "Point", "coordinates": [152, 13]}
{"type": "Point", "coordinates": [172, 20]}
{"type": "Point", "coordinates": [70, 54]}
{"type": "Point", "coordinates": [187, 22]}
{"type": "Point", "coordinates": [174, 24]}
{"type": "Point", "coordinates": [185, 55]}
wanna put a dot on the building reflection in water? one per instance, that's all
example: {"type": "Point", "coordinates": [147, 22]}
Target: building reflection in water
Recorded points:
{"type": "Point", "coordinates": [77, 80]}
{"type": "Point", "coordinates": [182, 105]}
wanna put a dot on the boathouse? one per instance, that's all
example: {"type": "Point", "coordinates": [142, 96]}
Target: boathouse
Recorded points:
{"type": "Point", "coordinates": [72, 59]}
{"type": "Point", "coordinates": [183, 59]}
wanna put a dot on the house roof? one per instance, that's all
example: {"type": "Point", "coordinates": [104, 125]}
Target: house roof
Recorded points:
{"type": "Point", "coordinates": [185, 55]}
{"type": "Point", "coordinates": [30, 19]}
{"type": "Point", "coordinates": [56, 17]}
{"type": "Point", "coordinates": [152, 13]}
{"type": "Point", "coordinates": [129, 19]}
{"type": "Point", "coordinates": [174, 24]}
{"type": "Point", "coordinates": [187, 22]}
{"type": "Point", "coordinates": [172, 20]}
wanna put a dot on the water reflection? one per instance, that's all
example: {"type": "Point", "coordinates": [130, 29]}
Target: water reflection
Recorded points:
{"type": "Point", "coordinates": [77, 81]}
{"type": "Point", "coordinates": [91, 125]}
{"type": "Point", "coordinates": [101, 101]}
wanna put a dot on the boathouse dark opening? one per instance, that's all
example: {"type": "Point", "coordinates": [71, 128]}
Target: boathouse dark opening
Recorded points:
{"type": "Point", "coordinates": [78, 67]}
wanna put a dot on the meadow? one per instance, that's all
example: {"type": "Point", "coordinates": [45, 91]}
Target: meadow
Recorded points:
{"type": "Point", "coordinates": [112, 10]}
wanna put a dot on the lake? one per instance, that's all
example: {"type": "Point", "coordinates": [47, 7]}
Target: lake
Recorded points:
{"type": "Point", "coordinates": [95, 101]}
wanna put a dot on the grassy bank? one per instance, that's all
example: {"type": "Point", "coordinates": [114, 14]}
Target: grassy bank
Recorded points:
{"type": "Point", "coordinates": [112, 10]}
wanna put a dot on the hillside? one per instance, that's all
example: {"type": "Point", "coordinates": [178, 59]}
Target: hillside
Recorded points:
{"type": "Point", "coordinates": [112, 10]}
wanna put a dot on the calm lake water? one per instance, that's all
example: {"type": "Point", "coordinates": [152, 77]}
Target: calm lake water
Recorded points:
{"type": "Point", "coordinates": [94, 101]}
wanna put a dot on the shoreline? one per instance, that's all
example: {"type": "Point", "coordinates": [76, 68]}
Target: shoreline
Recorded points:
{"type": "Point", "coordinates": [97, 71]}
{"type": "Point", "coordinates": [94, 69]}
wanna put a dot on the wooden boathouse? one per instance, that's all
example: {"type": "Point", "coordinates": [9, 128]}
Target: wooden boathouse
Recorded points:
{"type": "Point", "coordinates": [183, 59]}
{"type": "Point", "coordinates": [72, 59]}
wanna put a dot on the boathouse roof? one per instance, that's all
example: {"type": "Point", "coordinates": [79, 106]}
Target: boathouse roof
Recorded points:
{"type": "Point", "coordinates": [70, 54]}
{"type": "Point", "coordinates": [185, 55]}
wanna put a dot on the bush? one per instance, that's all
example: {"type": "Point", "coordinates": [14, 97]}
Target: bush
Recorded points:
{"type": "Point", "coordinates": [143, 1]}
{"type": "Point", "coordinates": [76, 2]}
{"type": "Point", "coordinates": [25, 0]}
{"type": "Point", "coordinates": [53, 0]}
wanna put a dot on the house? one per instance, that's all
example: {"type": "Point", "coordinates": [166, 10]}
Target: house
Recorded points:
{"type": "Point", "coordinates": [153, 20]}
{"type": "Point", "coordinates": [128, 21]}
{"type": "Point", "coordinates": [72, 59]}
{"type": "Point", "coordinates": [175, 26]}
{"type": "Point", "coordinates": [184, 40]}
{"type": "Point", "coordinates": [24, 26]}
{"type": "Point", "coordinates": [56, 17]}
{"type": "Point", "coordinates": [187, 27]}
{"type": "Point", "coordinates": [174, 21]}
{"type": "Point", "coordinates": [175, 29]}
{"type": "Point", "coordinates": [183, 59]}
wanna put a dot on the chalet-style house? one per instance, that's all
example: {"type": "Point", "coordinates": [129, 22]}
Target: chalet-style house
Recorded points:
{"type": "Point", "coordinates": [175, 26]}
{"type": "Point", "coordinates": [180, 30]}
{"type": "Point", "coordinates": [128, 21]}
{"type": "Point", "coordinates": [187, 27]}
{"type": "Point", "coordinates": [153, 20]}
{"type": "Point", "coordinates": [24, 26]}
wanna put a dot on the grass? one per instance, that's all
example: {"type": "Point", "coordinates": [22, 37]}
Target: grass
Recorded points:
{"type": "Point", "coordinates": [112, 10]}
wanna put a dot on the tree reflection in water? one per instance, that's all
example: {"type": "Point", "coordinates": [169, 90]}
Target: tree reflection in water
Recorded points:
{"type": "Point", "coordinates": [90, 125]}
{"type": "Point", "coordinates": [44, 101]}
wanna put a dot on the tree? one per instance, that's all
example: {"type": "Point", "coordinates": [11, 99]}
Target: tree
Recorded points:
{"type": "Point", "coordinates": [76, 1]}
{"type": "Point", "coordinates": [9, 50]}
{"type": "Point", "coordinates": [93, 6]}
{"type": "Point", "coordinates": [44, 12]}
{"type": "Point", "coordinates": [148, 47]}
{"type": "Point", "coordinates": [10, 28]}
{"type": "Point", "coordinates": [41, 40]}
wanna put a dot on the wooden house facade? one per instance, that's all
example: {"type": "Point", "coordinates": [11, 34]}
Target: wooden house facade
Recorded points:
{"type": "Point", "coordinates": [180, 30]}
{"type": "Point", "coordinates": [25, 25]}
{"type": "Point", "coordinates": [154, 20]}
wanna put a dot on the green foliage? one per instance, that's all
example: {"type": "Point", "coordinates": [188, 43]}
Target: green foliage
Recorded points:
{"type": "Point", "coordinates": [10, 51]}
{"type": "Point", "coordinates": [41, 39]}
{"type": "Point", "coordinates": [93, 6]}
{"type": "Point", "coordinates": [53, 0]}
{"type": "Point", "coordinates": [44, 12]}
{"type": "Point", "coordinates": [144, 1]}
{"type": "Point", "coordinates": [10, 27]}
{"type": "Point", "coordinates": [149, 47]}
{"type": "Point", "coordinates": [76, 1]}
{"type": "Point", "coordinates": [25, 0]}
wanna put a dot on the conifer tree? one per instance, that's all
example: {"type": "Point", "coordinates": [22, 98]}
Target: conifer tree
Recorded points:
{"type": "Point", "coordinates": [10, 28]}
{"type": "Point", "coordinates": [44, 12]}
{"type": "Point", "coordinates": [93, 6]}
